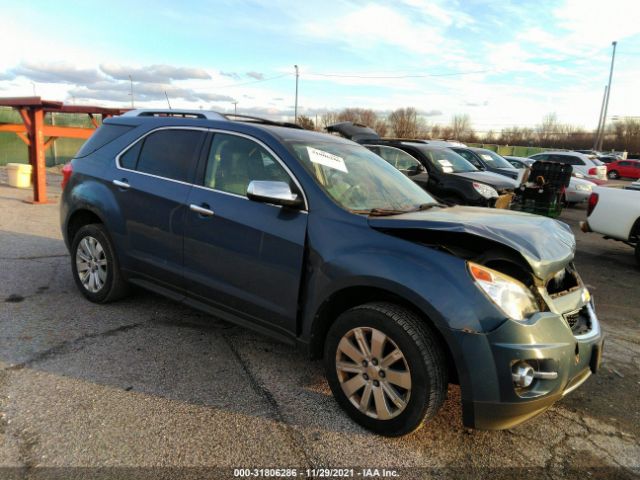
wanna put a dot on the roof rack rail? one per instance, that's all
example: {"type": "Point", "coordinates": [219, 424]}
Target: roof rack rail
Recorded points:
{"type": "Point", "coordinates": [235, 117]}
{"type": "Point", "coordinates": [152, 112]}
{"type": "Point", "coordinates": [400, 139]}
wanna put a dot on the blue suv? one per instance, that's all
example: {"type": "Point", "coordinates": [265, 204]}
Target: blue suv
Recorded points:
{"type": "Point", "coordinates": [317, 241]}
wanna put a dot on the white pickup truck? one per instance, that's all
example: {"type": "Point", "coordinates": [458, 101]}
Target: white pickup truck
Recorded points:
{"type": "Point", "coordinates": [615, 213]}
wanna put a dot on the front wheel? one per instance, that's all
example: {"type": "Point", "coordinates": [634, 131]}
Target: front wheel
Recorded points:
{"type": "Point", "coordinates": [385, 368]}
{"type": "Point", "coordinates": [95, 266]}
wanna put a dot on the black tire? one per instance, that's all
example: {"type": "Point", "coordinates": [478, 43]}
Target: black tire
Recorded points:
{"type": "Point", "coordinates": [613, 174]}
{"type": "Point", "coordinates": [114, 286]}
{"type": "Point", "coordinates": [423, 354]}
{"type": "Point", "coordinates": [638, 253]}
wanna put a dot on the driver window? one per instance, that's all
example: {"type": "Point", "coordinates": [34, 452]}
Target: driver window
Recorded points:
{"type": "Point", "coordinates": [234, 161]}
{"type": "Point", "coordinates": [398, 158]}
{"type": "Point", "coordinates": [470, 157]}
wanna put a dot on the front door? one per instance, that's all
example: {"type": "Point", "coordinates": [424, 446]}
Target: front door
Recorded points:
{"type": "Point", "coordinates": [242, 256]}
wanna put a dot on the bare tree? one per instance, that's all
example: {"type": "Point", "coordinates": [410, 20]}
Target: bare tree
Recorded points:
{"type": "Point", "coordinates": [548, 130]}
{"type": "Point", "coordinates": [328, 118]}
{"type": "Point", "coordinates": [461, 127]}
{"type": "Point", "coordinates": [405, 123]}
{"type": "Point", "coordinates": [306, 123]}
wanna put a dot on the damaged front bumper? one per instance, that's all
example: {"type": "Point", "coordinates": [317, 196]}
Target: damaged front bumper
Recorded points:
{"type": "Point", "coordinates": [562, 360]}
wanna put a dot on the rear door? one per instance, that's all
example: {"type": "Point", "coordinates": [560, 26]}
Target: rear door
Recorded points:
{"type": "Point", "coordinates": [240, 256]}
{"type": "Point", "coordinates": [151, 184]}
{"type": "Point", "coordinates": [625, 168]}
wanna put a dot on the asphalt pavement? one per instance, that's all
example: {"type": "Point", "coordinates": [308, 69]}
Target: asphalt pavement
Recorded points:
{"type": "Point", "coordinates": [146, 382]}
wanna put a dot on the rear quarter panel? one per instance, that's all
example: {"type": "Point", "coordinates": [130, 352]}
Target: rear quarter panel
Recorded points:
{"type": "Point", "coordinates": [616, 212]}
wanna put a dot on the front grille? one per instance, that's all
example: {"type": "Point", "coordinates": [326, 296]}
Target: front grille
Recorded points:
{"type": "Point", "coordinates": [579, 321]}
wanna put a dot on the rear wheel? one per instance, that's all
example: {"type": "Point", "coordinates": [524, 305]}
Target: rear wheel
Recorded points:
{"type": "Point", "coordinates": [613, 174]}
{"type": "Point", "coordinates": [385, 368]}
{"type": "Point", "coordinates": [95, 267]}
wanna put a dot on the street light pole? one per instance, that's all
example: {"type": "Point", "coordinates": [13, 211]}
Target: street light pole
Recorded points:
{"type": "Point", "coordinates": [604, 99]}
{"type": "Point", "coordinates": [295, 111]}
{"type": "Point", "coordinates": [606, 105]}
{"type": "Point", "coordinates": [235, 107]}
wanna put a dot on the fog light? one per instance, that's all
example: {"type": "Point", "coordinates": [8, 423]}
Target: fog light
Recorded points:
{"type": "Point", "coordinates": [522, 374]}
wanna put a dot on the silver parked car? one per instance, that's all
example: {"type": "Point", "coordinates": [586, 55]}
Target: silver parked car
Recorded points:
{"type": "Point", "coordinates": [587, 165]}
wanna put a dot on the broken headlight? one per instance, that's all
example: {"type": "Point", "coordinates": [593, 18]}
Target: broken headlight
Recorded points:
{"type": "Point", "coordinates": [485, 190]}
{"type": "Point", "coordinates": [510, 295]}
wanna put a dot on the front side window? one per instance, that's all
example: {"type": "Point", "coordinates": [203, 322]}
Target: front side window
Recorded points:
{"type": "Point", "coordinates": [469, 157]}
{"type": "Point", "coordinates": [494, 160]}
{"type": "Point", "coordinates": [234, 161]}
{"type": "Point", "coordinates": [398, 158]}
{"type": "Point", "coordinates": [167, 153]}
{"type": "Point", "coordinates": [448, 161]}
{"type": "Point", "coordinates": [359, 180]}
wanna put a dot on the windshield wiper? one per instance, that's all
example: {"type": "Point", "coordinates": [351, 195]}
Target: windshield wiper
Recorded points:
{"type": "Point", "coordinates": [381, 212]}
{"type": "Point", "coordinates": [427, 206]}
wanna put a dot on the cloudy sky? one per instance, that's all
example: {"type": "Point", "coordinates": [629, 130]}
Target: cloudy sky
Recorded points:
{"type": "Point", "coordinates": [503, 63]}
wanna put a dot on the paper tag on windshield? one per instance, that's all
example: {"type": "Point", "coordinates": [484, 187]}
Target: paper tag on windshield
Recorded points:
{"type": "Point", "coordinates": [486, 157]}
{"type": "Point", "coordinates": [327, 159]}
{"type": "Point", "coordinates": [447, 169]}
{"type": "Point", "coordinates": [445, 163]}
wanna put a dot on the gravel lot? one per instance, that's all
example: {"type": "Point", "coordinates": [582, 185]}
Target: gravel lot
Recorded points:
{"type": "Point", "coordinates": [146, 382]}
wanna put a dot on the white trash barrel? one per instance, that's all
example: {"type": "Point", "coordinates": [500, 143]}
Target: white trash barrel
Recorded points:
{"type": "Point", "coordinates": [19, 175]}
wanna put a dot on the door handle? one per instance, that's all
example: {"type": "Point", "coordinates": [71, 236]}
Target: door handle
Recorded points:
{"type": "Point", "coordinates": [202, 210]}
{"type": "Point", "coordinates": [121, 183]}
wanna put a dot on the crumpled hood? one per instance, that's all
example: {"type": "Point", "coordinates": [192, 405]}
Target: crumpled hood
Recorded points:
{"type": "Point", "coordinates": [546, 244]}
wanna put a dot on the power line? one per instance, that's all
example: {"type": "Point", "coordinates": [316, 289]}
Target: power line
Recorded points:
{"type": "Point", "coordinates": [253, 81]}
{"type": "Point", "coordinates": [448, 74]}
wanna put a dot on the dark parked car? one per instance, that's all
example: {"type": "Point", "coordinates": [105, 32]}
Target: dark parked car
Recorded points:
{"type": "Point", "coordinates": [443, 173]}
{"type": "Point", "coordinates": [319, 242]}
{"type": "Point", "coordinates": [484, 159]}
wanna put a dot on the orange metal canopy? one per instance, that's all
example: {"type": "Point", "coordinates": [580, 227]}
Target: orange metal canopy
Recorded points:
{"type": "Point", "coordinates": [33, 131]}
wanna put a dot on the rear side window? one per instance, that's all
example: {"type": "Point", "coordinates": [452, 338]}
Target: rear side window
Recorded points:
{"type": "Point", "coordinates": [169, 153]}
{"type": "Point", "coordinates": [130, 158]}
{"type": "Point", "coordinates": [105, 134]}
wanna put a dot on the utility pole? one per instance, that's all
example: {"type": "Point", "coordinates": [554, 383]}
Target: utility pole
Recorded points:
{"type": "Point", "coordinates": [235, 107]}
{"type": "Point", "coordinates": [295, 111]}
{"type": "Point", "coordinates": [131, 93]}
{"type": "Point", "coordinates": [604, 99]}
{"type": "Point", "coordinates": [606, 105]}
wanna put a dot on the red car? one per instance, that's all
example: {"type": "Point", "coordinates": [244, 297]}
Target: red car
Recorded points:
{"type": "Point", "coordinates": [624, 168]}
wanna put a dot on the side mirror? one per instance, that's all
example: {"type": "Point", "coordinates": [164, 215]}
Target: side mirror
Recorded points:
{"type": "Point", "coordinates": [277, 193]}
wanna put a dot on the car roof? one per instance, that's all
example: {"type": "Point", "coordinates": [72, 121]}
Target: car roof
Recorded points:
{"type": "Point", "coordinates": [208, 119]}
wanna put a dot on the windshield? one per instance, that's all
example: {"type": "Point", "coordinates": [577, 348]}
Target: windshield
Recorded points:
{"type": "Point", "coordinates": [448, 161]}
{"type": "Point", "coordinates": [359, 180]}
{"type": "Point", "coordinates": [493, 159]}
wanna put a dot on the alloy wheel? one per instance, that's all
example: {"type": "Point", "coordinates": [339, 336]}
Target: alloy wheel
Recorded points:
{"type": "Point", "coordinates": [373, 373]}
{"type": "Point", "coordinates": [91, 263]}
